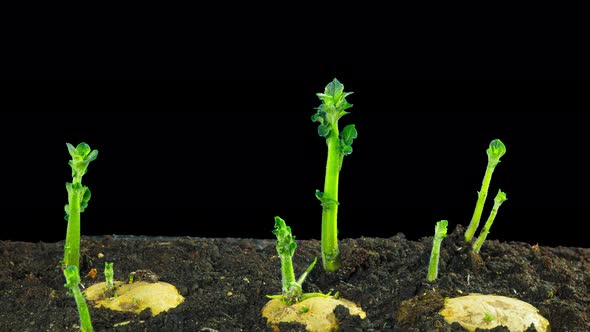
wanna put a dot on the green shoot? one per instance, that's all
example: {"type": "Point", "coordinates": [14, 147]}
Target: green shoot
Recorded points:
{"type": "Point", "coordinates": [72, 282]}
{"type": "Point", "coordinates": [440, 232]}
{"type": "Point", "coordinates": [500, 198]}
{"type": "Point", "coordinates": [78, 197]}
{"type": "Point", "coordinates": [292, 291]}
{"type": "Point", "coordinates": [496, 150]}
{"type": "Point", "coordinates": [339, 145]}
{"type": "Point", "coordinates": [108, 275]}
{"type": "Point", "coordinates": [488, 317]}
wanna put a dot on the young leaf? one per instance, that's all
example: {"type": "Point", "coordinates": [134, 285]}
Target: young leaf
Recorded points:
{"type": "Point", "coordinates": [81, 157]}
{"type": "Point", "coordinates": [332, 108]}
{"type": "Point", "coordinates": [285, 240]}
{"type": "Point", "coordinates": [85, 198]}
{"type": "Point", "coordinates": [496, 150]}
{"type": "Point", "coordinates": [347, 136]}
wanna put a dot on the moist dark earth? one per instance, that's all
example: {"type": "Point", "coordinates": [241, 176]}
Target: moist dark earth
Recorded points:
{"type": "Point", "coordinates": [225, 282]}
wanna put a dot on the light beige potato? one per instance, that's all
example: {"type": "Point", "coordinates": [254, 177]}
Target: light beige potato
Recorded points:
{"type": "Point", "coordinates": [136, 297]}
{"type": "Point", "coordinates": [316, 313]}
{"type": "Point", "coordinates": [488, 311]}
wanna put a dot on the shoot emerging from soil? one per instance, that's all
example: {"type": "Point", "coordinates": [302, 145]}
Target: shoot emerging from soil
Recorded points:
{"type": "Point", "coordinates": [500, 198]}
{"type": "Point", "coordinates": [440, 232]}
{"type": "Point", "coordinates": [292, 291]}
{"type": "Point", "coordinates": [78, 197]}
{"type": "Point", "coordinates": [72, 282]}
{"type": "Point", "coordinates": [109, 275]}
{"type": "Point", "coordinates": [339, 144]}
{"type": "Point", "coordinates": [496, 150]}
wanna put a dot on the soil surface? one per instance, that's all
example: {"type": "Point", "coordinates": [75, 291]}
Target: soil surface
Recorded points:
{"type": "Point", "coordinates": [225, 282]}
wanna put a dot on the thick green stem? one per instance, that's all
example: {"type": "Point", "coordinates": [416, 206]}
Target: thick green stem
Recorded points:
{"type": "Point", "coordinates": [339, 144]}
{"type": "Point", "coordinates": [78, 197]}
{"type": "Point", "coordinates": [72, 245]}
{"type": "Point", "coordinates": [287, 273]}
{"type": "Point", "coordinates": [329, 238]}
{"type": "Point", "coordinates": [481, 199]}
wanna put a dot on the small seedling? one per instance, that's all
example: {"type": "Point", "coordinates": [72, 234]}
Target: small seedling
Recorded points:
{"type": "Point", "coordinates": [72, 282]}
{"type": "Point", "coordinates": [78, 197]}
{"type": "Point", "coordinates": [292, 291]}
{"type": "Point", "coordinates": [339, 144]}
{"type": "Point", "coordinates": [500, 198]}
{"type": "Point", "coordinates": [495, 151]}
{"type": "Point", "coordinates": [440, 232]}
{"type": "Point", "coordinates": [488, 317]}
{"type": "Point", "coordinates": [109, 275]}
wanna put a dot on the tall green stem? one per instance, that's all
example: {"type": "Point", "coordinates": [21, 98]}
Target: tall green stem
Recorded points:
{"type": "Point", "coordinates": [481, 199]}
{"type": "Point", "coordinates": [339, 144]}
{"type": "Point", "coordinates": [78, 197]}
{"type": "Point", "coordinates": [329, 237]}
{"type": "Point", "coordinates": [496, 150]}
{"type": "Point", "coordinates": [72, 245]}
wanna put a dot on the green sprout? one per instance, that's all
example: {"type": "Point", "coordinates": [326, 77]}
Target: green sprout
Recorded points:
{"type": "Point", "coordinates": [440, 232]}
{"type": "Point", "coordinates": [339, 145]}
{"type": "Point", "coordinates": [292, 291]}
{"type": "Point", "coordinates": [495, 151]}
{"type": "Point", "coordinates": [500, 198]}
{"type": "Point", "coordinates": [78, 197]}
{"type": "Point", "coordinates": [108, 275]}
{"type": "Point", "coordinates": [488, 317]}
{"type": "Point", "coordinates": [72, 282]}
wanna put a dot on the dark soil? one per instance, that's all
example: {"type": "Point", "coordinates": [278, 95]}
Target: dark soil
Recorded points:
{"type": "Point", "coordinates": [224, 282]}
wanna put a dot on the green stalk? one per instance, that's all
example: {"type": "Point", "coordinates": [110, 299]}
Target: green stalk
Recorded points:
{"type": "Point", "coordinates": [339, 145]}
{"type": "Point", "coordinates": [496, 150]}
{"type": "Point", "coordinates": [500, 198]}
{"type": "Point", "coordinates": [72, 246]}
{"type": "Point", "coordinates": [287, 272]}
{"type": "Point", "coordinates": [440, 232]}
{"type": "Point", "coordinates": [78, 197]}
{"type": "Point", "coordinates": [329, 238]}
{"type": "Point", "coordinates": [72, 281]}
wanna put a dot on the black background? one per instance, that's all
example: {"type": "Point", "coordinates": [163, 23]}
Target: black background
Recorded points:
{"type": "Point", "coordinates": [221, 157]}
{"type": "Point", "coordinates": [222, 154]}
